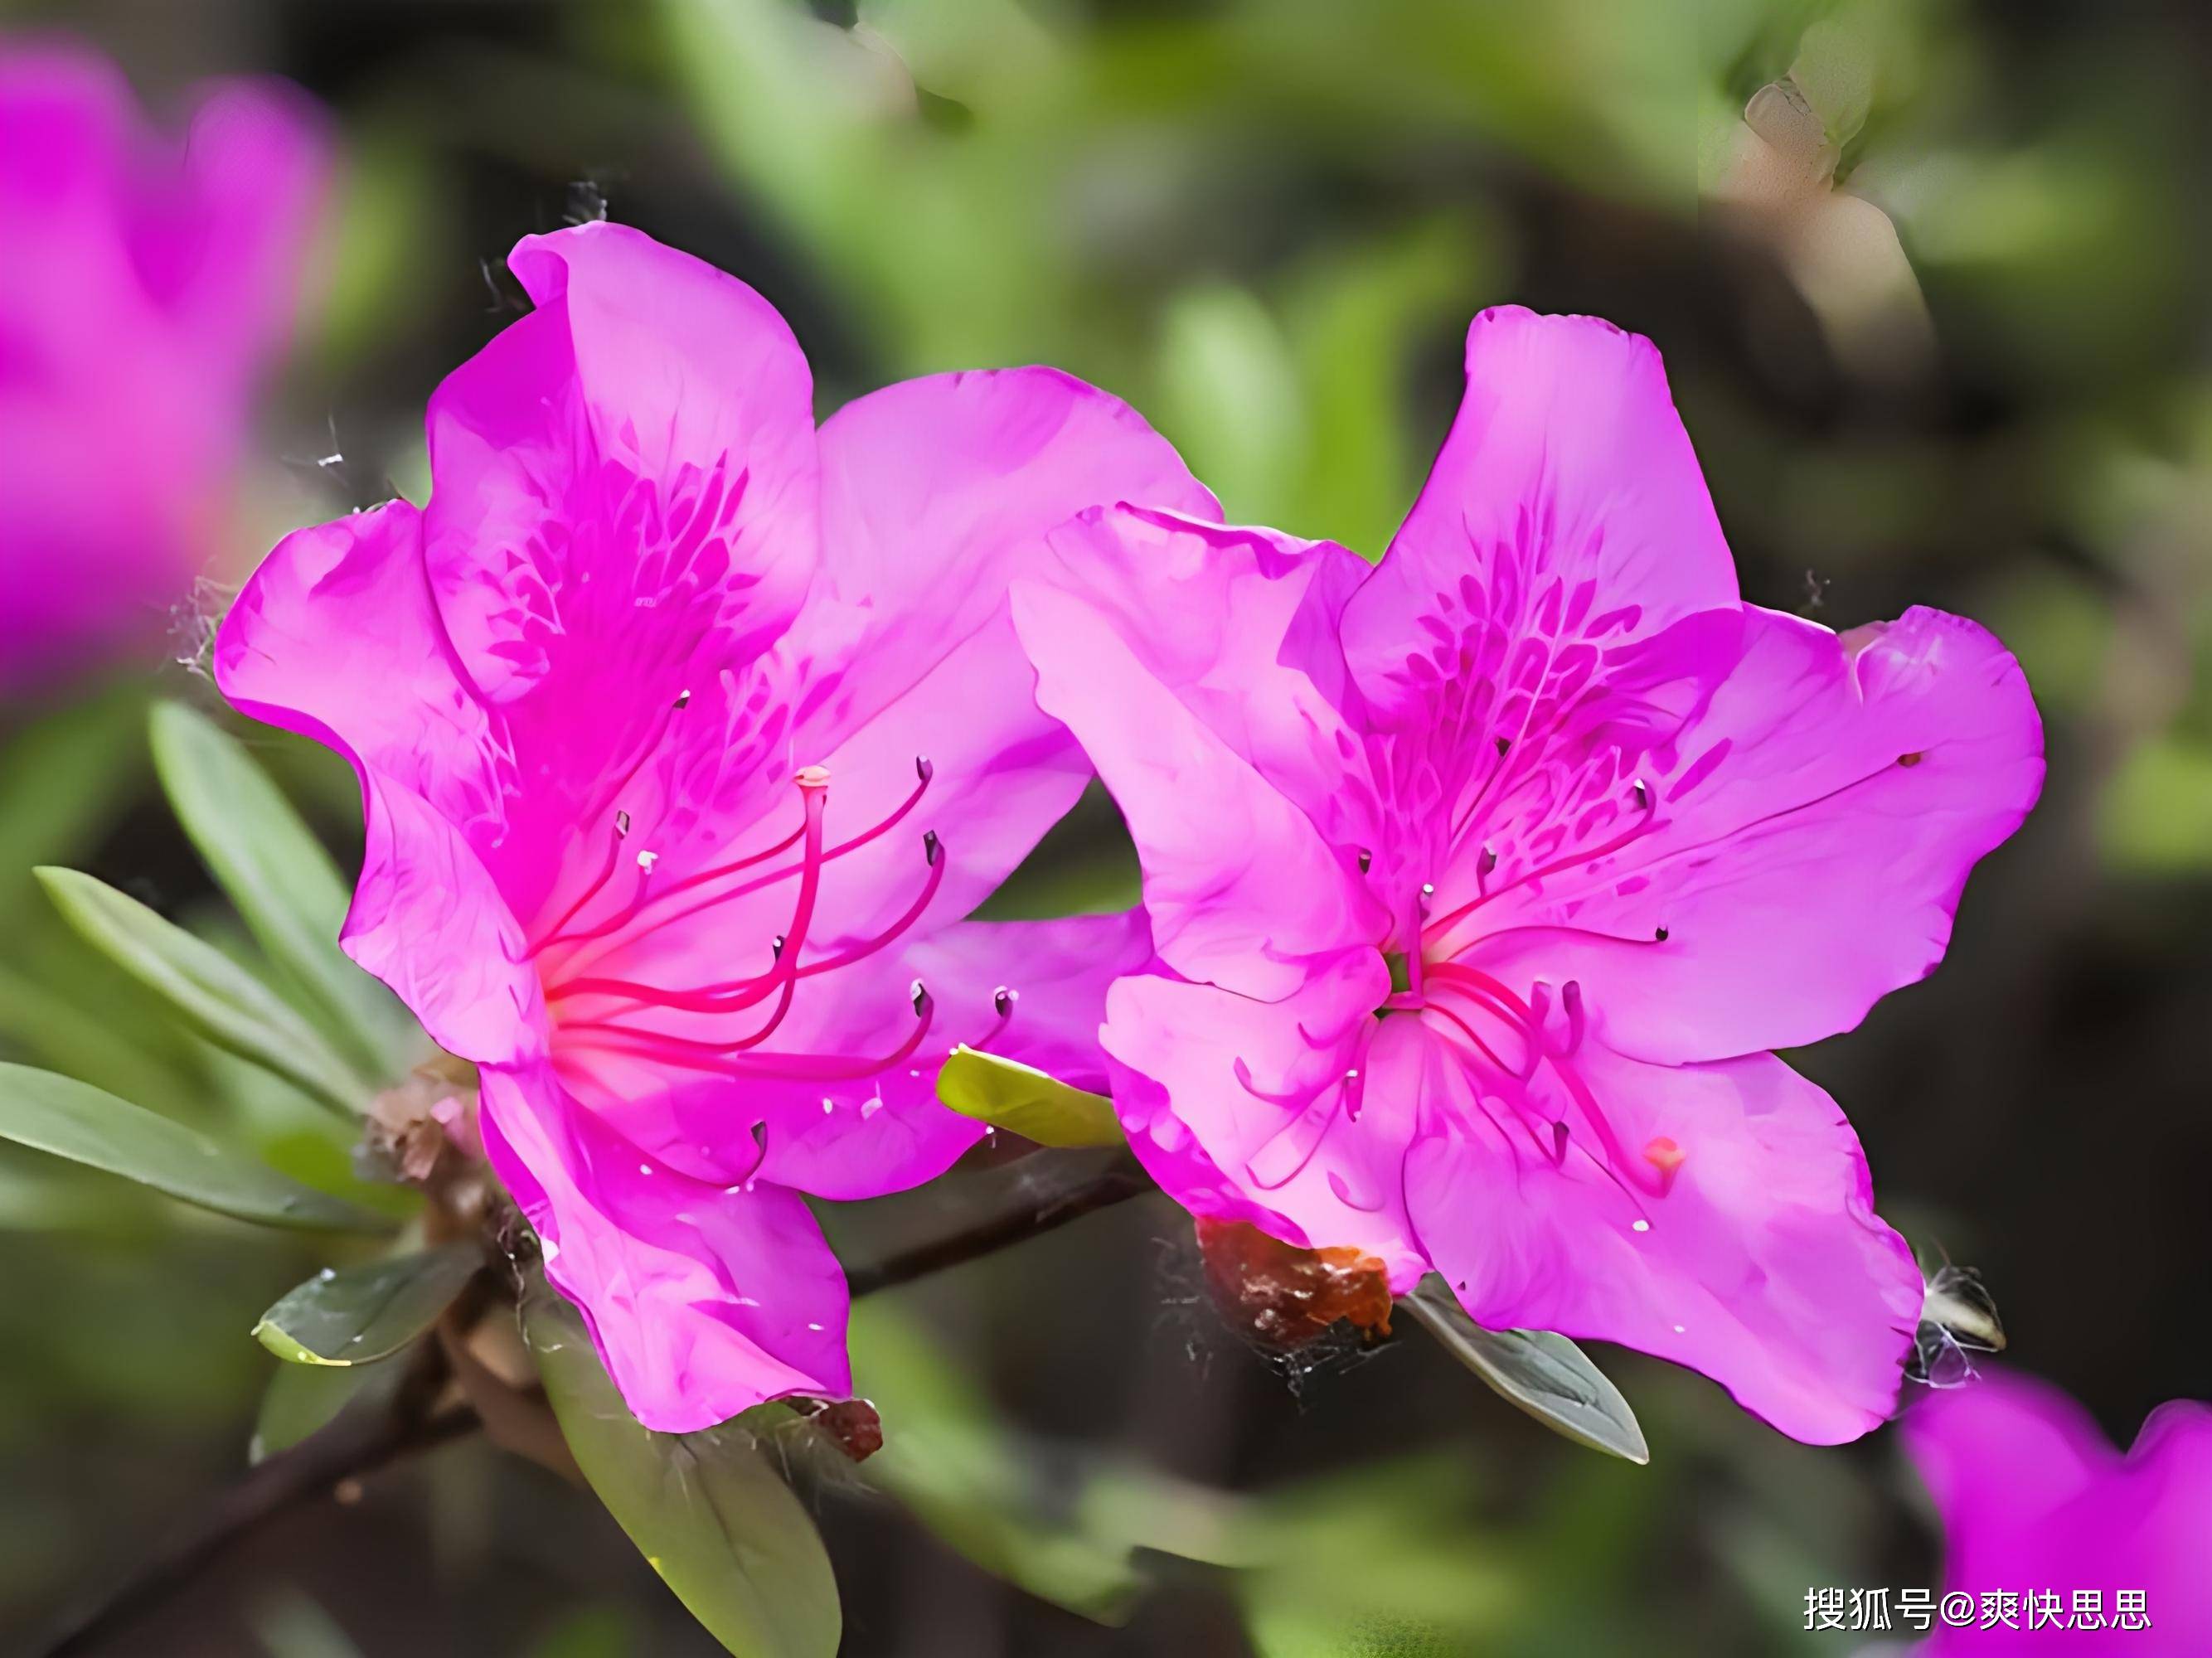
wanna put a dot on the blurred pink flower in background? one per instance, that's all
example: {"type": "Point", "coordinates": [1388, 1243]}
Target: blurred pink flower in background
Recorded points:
{"type": "Point", "coordinates": [2034, 1500]}
{"type": "Point", "coordinates": [1482, 879]}
{"type": "Point", "coordinates": [147, 285]}
{"type": "Point", "coordinates": [688, 737]}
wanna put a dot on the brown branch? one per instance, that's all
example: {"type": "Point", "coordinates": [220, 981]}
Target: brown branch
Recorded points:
{"type": "Point", "coordinates": [358, 1443]}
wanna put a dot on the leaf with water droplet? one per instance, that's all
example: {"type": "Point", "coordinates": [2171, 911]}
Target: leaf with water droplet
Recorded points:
{"type": "Point", "coordinates": [363, 1314]}
{"type": "Point", "coordinates": [214, 996]}
{"type": "Point", "coordinates": [1023, 1100]}
{"type": "Point", "coordinates": [74, 1120]}
{"type": "Point", "coordinates": [705, 1510]}
{"type": "Point", "coordinates": [1543, 1374]}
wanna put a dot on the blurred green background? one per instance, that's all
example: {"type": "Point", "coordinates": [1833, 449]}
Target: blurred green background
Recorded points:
{"type": "Point", "coordinates": [1936, 319]}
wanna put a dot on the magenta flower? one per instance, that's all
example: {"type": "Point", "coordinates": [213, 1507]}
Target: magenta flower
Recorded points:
{"type": "Point", "coordinates": [2036, 1502]}
{"type": "Point", "coordinates": [1482, 880]}
{"type": "Point", "coordinates": [145, 289]}
{"type": "Point", "coordinates": [686, 737]}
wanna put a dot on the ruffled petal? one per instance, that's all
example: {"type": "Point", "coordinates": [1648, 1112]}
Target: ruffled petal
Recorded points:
{"type": "Point", "coordinates": [1808, 839]}
{"type": "Point", "coordinates": [335, 638]}
{"type": "Point", "coordinates": [937, 492]}
{"type": "Point", "coordinates": [1763, 1266]}
{"type": "Point", "coordinates": [625, 510]}
{"type": "Point", "coordinates": [703, 1302]}
{"type": "Point", "coordinates": [1243, 889]}
{"type": "Point", "coordinates": [1566, 505]}
{"type": "Point", "coordinates": [1259, 1111]}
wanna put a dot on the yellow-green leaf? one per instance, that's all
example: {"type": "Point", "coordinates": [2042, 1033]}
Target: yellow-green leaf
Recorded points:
{"type": "Point", "coordinates": [1026, 1102]}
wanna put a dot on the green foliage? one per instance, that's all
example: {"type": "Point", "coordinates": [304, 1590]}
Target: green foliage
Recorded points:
{"type": "Point", "coordinates": [301, 1399]}
{"type": "Point", "coordinates": [1535, 1370]}
{"type": "Point", "coordinates": [1023, 1100]}
{"type": "Point", "coordinates": [73, 1120]}
{"type": "Point", "coordinates": [363, 1314]}
{"type": "Point", "coordinates": [212, 994]}
{"type": "Point", "coordinates": [706, 1509]}
{"type": "Point", "coordinates": [286, 888]}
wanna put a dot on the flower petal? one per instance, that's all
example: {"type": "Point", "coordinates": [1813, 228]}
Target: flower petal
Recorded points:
{"type": "Point", "coordinates": [1567, 501]}
{"type": "Point", "coordinates": [937, 492]}
{"type": "Point", "coordinates": [625, 510]}
{"type": "Point", "coordinates": [703, 1302]}
{"type": "Point", "coordinates": [2032, 1493]}
{"type": "Point", "coordinates": [1255, 1111]}
{"type": "Point", "coordinates": [1240, 886]}
{"type": "Point", "coordinates": [1764, 1266]}
{"type": "Point", "coordinates": [1811, 835]}
{"type": "Point", "coordinates": [335, 638]}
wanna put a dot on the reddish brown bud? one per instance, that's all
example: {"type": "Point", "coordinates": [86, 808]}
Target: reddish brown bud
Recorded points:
{"type": "Point", "coordinates": [1282, 1297]}
{"type": "Point", "coordinates": [851, 1424]}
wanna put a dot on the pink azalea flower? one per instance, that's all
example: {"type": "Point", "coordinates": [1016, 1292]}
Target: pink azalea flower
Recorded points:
{"type": "Point", "coordinates": [2034, 1500]}
{"type": "Point", "coordinates": [1480, 880]}
{"type": "Point", "coordinates": [686, 738]}
{"type": "Point", "coordinates": [146, 287]}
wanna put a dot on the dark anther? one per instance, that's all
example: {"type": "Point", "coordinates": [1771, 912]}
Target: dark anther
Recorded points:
{"type": "Point", "coordinates": [922, 769]}
{"type": "Point", "coordinates": [1366, 860]}
{"type": "Point", "coordinates": [1503, 744]}
{"type": "Point", "coordinates": [1002, 1001]}
{"type": "Point", "coordinates": [930, 848]}
{"type": "Point", "coordinates": [1660, 933]}
{"type": "Point", "coordinates": [919, 994]}
{"type": "Point", "coordinates": [777, 947]}
{"type": "Point", "coordinates": [1642, 796]}
{"type": "Point", "coordinates": [682, 698]}
{"type": "Point", "coordinates": [621, 823]}
{"type": "Point", "coordinates": [1912, 759]}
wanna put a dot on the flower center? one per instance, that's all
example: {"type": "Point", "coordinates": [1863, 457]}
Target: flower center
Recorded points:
{"type": "Point", "coordinates": [722, 1026]}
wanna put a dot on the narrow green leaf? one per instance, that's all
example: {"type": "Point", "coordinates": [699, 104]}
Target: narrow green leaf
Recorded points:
{"type": "Point", "coordinates": [216, 997]}
{"type": "Point", "coordinates": [276, 873]}
{"type": "Point", "coordinates": [1025, 1101]}
{"type": "Point", "coordinates": [61, 777]}
{"type": "Point", "coordinates": [76, 1121]}
{"type": "Point", "coordinates": [1544, 1375]}
{"type": "Point", "coordinates": [366, 1313]}
{"type": "Point", "coordinates": [706, 1509]}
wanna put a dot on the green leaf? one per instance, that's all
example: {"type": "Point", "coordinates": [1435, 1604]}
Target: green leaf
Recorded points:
{"type": "Point", "coordinates": [74, 1120]}
{"type": "Point", "coordinates": [1025, 1101]}
{"type": "Point", "coordinates": [60, 780]}
{"type": "Point", "coordinates": [301, 1399]}
{"type": "Point", "coordinates": [1543, 1374]}
{"type": "Point", "coordinates": [217, 998]}
{"type": "Point", "coordinates": [269, 864]}
{"type": "Point", "coordinates": [366, 1313]}
{"type": "Point", "coordinates": [706, 1509]}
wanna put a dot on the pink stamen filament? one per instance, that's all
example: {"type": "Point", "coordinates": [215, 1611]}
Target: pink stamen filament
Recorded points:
{"type": "Point", "coordinates": [732, 995]}
{"type": "Point", "coordinates": [642, 901]}
{"type": "Point", "coordinates": [1433, 934]}
{"type": "Point", "coordinates": [805, 1067]}
{"type": "Point", "coordinates": [1530, 1018]}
